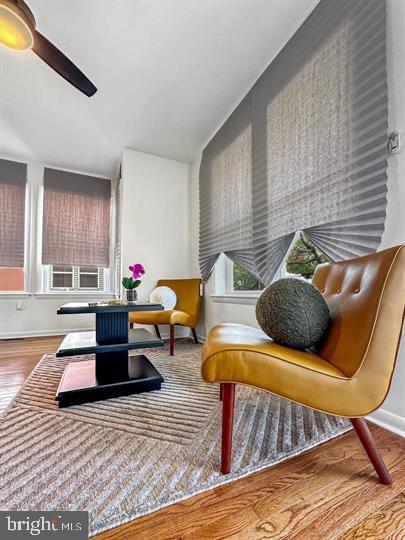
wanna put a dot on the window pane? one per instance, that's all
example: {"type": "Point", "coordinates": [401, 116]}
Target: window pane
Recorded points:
{"type": "Point", "coordinates": [62, 280]}
{"type": "Point", "coordinates": [88, 269]}
{"type": "Point", "coordinates": [63, 269]}
{"type": "Point", "coordinates": [244, 281]}
{"type": "Point", "coordinates": [11, 279]}
{"type": "Point", "coordinates": [88, 281]}
{"type": "Point", "coordinates": [304, 258]}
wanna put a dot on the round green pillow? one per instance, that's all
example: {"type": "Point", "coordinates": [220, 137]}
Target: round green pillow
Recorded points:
{"type": "Point", "coordinates": [293, 312]}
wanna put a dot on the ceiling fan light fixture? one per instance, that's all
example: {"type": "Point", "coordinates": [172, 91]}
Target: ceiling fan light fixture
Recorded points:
{"type": "Point", "coordinates": [15, 29]}
{"type": "Point", "coordinates": [18, 32]}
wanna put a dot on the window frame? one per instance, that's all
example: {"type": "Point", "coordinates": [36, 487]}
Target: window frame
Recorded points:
{"type": "Point", "coordinates": [103, 281]}
{"type": "Point", "coordinates": [223, 285]}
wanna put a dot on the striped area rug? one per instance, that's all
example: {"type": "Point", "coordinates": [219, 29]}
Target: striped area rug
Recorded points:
{"type": "Point", "coordinates": [126, 457]}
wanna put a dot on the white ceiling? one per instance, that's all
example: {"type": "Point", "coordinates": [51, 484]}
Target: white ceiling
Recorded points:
{"type": "Point", "coordinates": [168, 74]}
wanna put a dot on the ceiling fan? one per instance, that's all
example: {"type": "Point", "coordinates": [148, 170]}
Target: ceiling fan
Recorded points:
{"type": "Point", "coordinates": [18, 32]}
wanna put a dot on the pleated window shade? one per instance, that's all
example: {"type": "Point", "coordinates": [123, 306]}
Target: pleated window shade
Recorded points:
{"type": "Point", "coordinates": [76, 219]}
{"type": "Point", "coordinates": [226, 192]}
{"type": "Point", "coordinates": [13, 180]}
{"type": "Point", "coordinates": [318, 118]}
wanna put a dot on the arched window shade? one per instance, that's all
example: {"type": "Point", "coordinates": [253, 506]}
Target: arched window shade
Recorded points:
{"type": "Point", "coordinates": [318, 120]}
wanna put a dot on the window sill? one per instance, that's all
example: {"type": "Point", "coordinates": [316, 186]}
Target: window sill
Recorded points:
{"type": "Point", "coordinates": [73, 295]}
{"type": "Point", "coordinates": [249, 298]}
{"type": "Point", "coordinates": [14, 295]}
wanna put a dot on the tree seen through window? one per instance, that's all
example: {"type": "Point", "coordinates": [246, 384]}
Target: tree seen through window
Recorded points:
{"type": "Point", "coordinates": [302, 260]}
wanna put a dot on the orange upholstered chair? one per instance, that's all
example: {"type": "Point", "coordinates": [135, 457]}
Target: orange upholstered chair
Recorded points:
{"type": "Point", "coordinates": [347, 374]}
{"type": "Point", "coordinates": [185, 313]}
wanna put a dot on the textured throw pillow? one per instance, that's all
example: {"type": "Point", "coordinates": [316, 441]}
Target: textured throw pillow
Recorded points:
{"type": "Point", "coordinates": [293, 312]}
{"type": "Point", "coordinates": [165, 296]}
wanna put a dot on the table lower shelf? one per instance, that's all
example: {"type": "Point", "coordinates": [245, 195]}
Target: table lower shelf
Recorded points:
{"type": "Point", "coordinates": [79, 383]}
{"type": "Point", "coordinates": [77, 343]}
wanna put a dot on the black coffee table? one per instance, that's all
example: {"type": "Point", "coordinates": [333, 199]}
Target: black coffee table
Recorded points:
{"type": "Point", "coordinates": [113, 372]}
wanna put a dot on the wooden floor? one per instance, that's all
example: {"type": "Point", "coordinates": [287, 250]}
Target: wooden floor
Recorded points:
{"type": "Point", "coordinates": [328, 492]}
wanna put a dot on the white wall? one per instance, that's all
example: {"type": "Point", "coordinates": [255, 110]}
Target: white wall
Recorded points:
{"type": "Point", "coordinates": [392, 414]}
{"type": "Point", "coordinates": [155, 219]}
{"type": "Point", "coordinates": [393, 410]}
{"type": "Point", "coordinates": [38, 314]}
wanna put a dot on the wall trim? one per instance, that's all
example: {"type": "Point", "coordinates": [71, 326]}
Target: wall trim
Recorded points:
{"type": "Point", "coordinates": [388, 420]}
{"type": "Point", "coordinates": [235, 298]}
{"type": "Point", "coordinates": [42, 333]}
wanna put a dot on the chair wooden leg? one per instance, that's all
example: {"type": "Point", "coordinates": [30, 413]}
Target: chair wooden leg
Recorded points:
{"type": "Point", "coordinates": [172, 340]}
{"type": "Point", "coordinates": [227, 426]}
{"type": "Point", "coordinates": [221, 391]}
{"type": "Point", "coordinates": [363, 432]}
{"type": "Point", "coordinates": [131, 324]}
{"type": "Point", "coordinates": [194, 335]}
{"type": "Point", "coordinates": [157, 331]}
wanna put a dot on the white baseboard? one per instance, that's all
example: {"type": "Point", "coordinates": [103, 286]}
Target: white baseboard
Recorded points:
{"type": "Point", "coordinates": [42, 333]}
{"type": "Point", "coordinates": [388, 420]}
{"type": "Point", "coordinates": [201, 339]}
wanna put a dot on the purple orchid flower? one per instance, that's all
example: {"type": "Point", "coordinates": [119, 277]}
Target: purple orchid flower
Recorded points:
{"type": "Point", "coordinates": [137, 270]}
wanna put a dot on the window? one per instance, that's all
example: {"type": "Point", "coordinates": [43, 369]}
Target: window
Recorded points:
{"type": "Point", "coordinates": [231, 279]}
{"type": "Point", "coordinates": [301, 262]}
{"type": "Point", "coordinates": [77, 223]}
{"type": "Point", "coordinates": [76, 278]}
{"type": "Point", "coordinates": [11, 279]}
{"type": "Point", "coordinates": [13, 194]}
{"type": "Point", "coordinates": [303, 258]}
{"type": "Point", "coordinates": [242, 280]}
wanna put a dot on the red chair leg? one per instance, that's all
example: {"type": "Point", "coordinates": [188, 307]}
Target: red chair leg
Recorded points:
{"type": "Point", "coordinates": [363, 432]}
{"type": "Point", "coordinates": [172, 340]}
{"type": "Point", "coordinates": [228, 390]}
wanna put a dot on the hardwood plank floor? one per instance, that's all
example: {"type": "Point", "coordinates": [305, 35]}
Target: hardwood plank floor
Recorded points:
{"type": "Point", "coordinates": [330, 492]}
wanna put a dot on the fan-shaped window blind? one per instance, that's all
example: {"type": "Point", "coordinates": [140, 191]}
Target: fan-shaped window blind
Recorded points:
{"type": "Point", "coordinates": [13, 179]}
{"type": "Point", "coordinates": [76, 219]}
{"type": "Point", "coordinates": [318, 118]}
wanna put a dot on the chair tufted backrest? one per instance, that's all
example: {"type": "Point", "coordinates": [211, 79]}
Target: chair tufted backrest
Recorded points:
{"type": "Point", "coordinates": [366, 300]}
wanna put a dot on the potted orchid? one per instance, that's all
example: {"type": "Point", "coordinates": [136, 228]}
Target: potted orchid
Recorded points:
{"type": "Point", "coordinates": [132, 282]}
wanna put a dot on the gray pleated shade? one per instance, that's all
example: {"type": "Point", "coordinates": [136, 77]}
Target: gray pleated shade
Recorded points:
{"type": "Point", "coordinates": [76, 219]}
{"type": "Point", "coordinates": [13, 180]}
{"type": "Point", "coordinates": [318, 120]}
{"type": "Point", "coordinates": [225, 191]}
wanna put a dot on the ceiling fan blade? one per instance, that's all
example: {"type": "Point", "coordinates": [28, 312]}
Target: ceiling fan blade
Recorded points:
{"type": "Point", "coordinates": [61, 64]}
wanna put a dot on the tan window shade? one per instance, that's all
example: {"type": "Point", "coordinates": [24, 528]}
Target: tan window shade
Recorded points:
{"type": "Point", "coordinates": [13, 179]}
{"type": "Point", "coordinates": [76, 219]}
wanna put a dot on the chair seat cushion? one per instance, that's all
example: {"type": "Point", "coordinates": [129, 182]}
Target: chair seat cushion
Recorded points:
{"type": "Point", "coordinates": [245, 355]}
{"type": "Point", "coordinates": [168, 316]}
{"type": "Point", "coordinates": [229, 339]}
{"type": "Point", "coordinates": [150, 317]}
